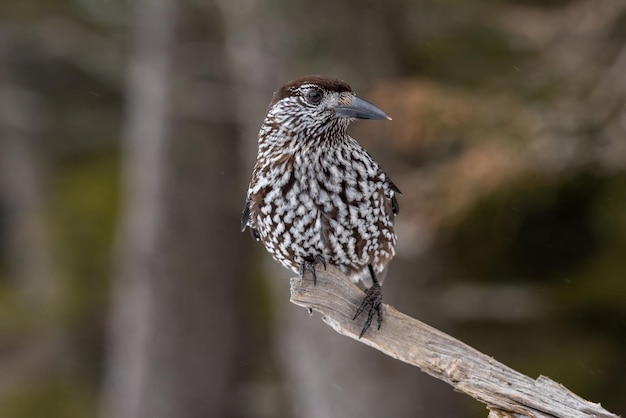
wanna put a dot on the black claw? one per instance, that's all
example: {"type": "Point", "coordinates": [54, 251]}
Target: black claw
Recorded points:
{"type": "Point", "coordinates": [310, 267]}
{"type": "Point", "coordinates": [320, 259]}
{"type": "Point", "coordinates": [374, 299]}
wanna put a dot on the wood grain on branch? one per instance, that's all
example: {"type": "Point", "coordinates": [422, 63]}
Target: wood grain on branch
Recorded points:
{"type": "Point", "coordinates": [506, 392]}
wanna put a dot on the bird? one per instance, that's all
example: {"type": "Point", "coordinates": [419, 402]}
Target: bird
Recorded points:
{"type": "Point", "coordinates": [316, 196]}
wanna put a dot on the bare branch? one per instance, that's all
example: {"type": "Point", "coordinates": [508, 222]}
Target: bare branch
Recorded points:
{"type": "Point", "coordinates": [506, 392]}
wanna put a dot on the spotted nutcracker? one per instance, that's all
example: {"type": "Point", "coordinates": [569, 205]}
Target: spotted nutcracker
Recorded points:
{"type": "Point", "coordinates": [316, 196]}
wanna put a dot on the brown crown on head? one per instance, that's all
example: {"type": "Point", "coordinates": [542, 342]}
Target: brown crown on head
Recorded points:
{"type": "Point", "coordinates": [322, 81]}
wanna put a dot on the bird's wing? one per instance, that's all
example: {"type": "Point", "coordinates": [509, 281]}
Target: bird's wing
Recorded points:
{"type": "Point", "coordinates": [391, 202]}
{"type": "Point", "coordinates": [395, 207]}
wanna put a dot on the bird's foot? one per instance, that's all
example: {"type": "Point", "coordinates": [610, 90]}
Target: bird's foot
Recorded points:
{"type": "Point", "coordinates": [309, 265]}
{"type": "Point", "coordinates": [374, 299]}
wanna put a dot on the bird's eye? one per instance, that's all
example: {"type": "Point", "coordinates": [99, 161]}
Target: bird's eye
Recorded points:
{"type": "Point", "coordinates": [314, 96]}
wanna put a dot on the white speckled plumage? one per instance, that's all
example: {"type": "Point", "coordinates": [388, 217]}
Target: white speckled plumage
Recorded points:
{"type": "Point", "coordinates": [314, 190]}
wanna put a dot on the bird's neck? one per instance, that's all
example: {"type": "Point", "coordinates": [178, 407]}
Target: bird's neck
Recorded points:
{"type": "Point", "coordinates": [277, 138]}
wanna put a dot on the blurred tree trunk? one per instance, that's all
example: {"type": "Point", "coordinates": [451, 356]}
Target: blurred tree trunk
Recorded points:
{"type": "Point", "coordinates": [173, 327]}
{"type": "Point", "coordinates": [133, 321]}
{"type": "Point", "coordinates": [255, 44]}
{"type": "Point", "coordinates": [21, 188]}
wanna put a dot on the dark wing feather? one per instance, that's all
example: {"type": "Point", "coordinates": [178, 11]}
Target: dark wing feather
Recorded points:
{"type": "Point", "coordinates": [245, 217]}
{"type": "Point", "coordinates": [395, 207]}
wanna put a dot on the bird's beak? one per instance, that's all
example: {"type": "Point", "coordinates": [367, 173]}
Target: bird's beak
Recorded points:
{"type": "Point", "coordinates": [360, 109]}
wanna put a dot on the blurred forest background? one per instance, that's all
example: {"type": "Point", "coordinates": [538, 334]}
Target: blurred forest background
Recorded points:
{"type": "Point", "coordinates": [127, 137]}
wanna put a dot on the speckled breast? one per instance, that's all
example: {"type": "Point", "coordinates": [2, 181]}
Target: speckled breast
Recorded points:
{"type": "Point", "coordinates": [329, 204]}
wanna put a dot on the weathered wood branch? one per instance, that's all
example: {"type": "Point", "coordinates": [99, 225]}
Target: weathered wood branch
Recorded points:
{"type": "Point", "coordinates": [506, 392]}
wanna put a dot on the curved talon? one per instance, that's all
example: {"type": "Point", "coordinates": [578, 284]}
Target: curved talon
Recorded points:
{"type": "Point", "coordinates": [374, 299]}
{"type": "Point", "coordinates": [310, 266]}
{"type": "Point", "coordinates": [320, 259]}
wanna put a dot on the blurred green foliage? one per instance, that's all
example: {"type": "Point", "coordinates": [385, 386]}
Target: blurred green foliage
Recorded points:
{"type": "Point", "coordinates": [83, 212]}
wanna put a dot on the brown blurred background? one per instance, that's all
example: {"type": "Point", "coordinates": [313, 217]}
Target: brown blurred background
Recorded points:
{"type": "Point", "coordinates": [127, 136]}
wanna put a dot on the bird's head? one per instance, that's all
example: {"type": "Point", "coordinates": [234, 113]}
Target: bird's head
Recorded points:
{"type": "Point", "coordinates": [315, 105]}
